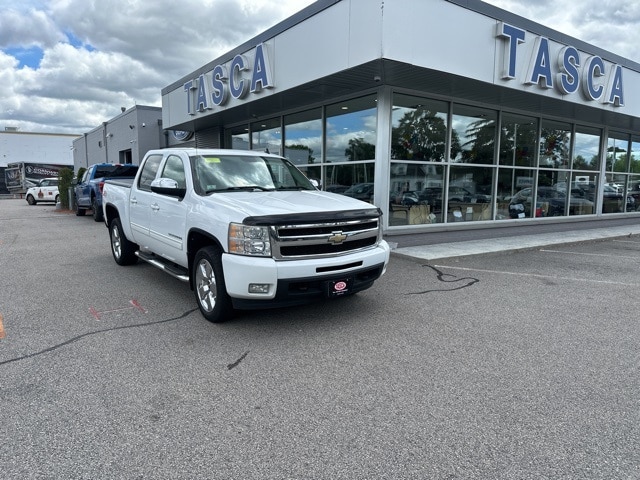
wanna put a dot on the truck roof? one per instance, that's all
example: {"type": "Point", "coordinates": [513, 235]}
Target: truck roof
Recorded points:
{"type": "Point", "coordinates": [215, 151]}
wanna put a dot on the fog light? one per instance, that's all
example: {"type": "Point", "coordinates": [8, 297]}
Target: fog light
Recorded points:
{"type": "Point", "coordinates": [258, 288]}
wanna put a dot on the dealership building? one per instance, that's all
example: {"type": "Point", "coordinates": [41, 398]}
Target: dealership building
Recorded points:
{"type": "Point", "coordinates": [443, 113]}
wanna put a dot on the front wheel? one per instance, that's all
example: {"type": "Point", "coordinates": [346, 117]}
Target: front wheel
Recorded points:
{"type": "Point", "coordinates": [124, 251]}
{"type": "Point", "coordinates": [31, 200]}
{"type": "Point", "coordinates": [209, 287]}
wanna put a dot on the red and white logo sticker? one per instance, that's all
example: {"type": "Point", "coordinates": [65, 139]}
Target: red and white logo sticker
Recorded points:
{"type": "Point", "coordinates": [340, 286]}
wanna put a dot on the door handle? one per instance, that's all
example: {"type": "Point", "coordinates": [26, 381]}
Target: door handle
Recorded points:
{"type": "Point", "coordinates": [155, 207]}
{"type": "Point", "coordinates": [133, 201]}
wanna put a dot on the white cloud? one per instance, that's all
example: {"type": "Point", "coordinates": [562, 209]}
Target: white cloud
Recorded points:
{"type": "Point", "coordinates": [608, 24]}
{"type": "Point", "coordinates": [123, 53]}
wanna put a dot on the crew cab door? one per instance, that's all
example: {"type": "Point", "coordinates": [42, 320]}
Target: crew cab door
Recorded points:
{"type": "Point", "coordinates": [167, 226]}
{"type": "Point", "coordinates": [82, 189]}
{"type": "Point", "coordinates": [140, 200]}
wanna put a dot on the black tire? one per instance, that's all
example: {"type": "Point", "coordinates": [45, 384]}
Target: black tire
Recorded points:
{"type": "Point", "coordinates": [31, 200]}
{"type": "Point", "coordinates": [79, 211]}
{"type": "Point", "coordinates": [97, 211]}
{"type": "Point", "coordinates": [124, 251]}
{"type": "Point", "coordinates": [57, 198]}
{"type": "Point", "coordinates": [209, 286]}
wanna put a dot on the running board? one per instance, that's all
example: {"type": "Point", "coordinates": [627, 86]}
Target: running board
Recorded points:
{"type": "Point", "coordinates": [170, 268]}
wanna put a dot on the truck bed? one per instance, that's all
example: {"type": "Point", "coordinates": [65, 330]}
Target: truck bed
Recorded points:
{"type": "Point", "coordinates": [122, 182]}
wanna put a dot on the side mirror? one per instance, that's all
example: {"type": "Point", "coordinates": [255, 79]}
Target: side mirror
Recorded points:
{"type": "Point", "coordinates": [167, 186]}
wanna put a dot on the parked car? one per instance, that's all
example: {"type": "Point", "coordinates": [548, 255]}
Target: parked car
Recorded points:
{"type": "Point", "coordinates": [45, 191]}
{"type": "Point", "coordinates": [404, 198]}
{"type": "Point", "coordinates": [361, 191]}
{"type": "Point", "coordinates": [550, 202]}
{"type": "Point", "coordinates": [433, 196]}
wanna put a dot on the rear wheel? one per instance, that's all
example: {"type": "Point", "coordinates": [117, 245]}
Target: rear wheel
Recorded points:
{"type": "Point", "coordinates": [124, 251]}
{"type": "Point", "coordinates": [31, 200]}
{"type": "Point", "coordinates": [57, 198]}
{"type": "Point", "coordinates": [97, 211]}
{"type": "Point", "coordinates": [209, 287]}
{"type": "Point", "coordinates": [79, 211]}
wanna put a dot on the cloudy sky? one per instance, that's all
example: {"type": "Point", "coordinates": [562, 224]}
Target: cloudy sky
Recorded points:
{"type": "Point", "coordinates": [66, 66]}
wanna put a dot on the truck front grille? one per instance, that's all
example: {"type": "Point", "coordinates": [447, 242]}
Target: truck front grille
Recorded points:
{"type": "Point", "coordinates": [296, 241]}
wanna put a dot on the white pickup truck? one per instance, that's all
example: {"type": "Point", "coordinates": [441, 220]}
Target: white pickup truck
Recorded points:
{"type": "Point", "coordinates": [246, 229]}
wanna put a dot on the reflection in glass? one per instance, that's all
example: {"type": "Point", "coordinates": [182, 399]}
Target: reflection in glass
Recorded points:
{"type": "Point", "coordinates": [616, 173]}
{"type": "Point", "coordinates": [469, 193]}
{"type": "Point", "coordinates": [303, 137]}
{"type": "Point", "coordinates": [518, 136]}
{"type": "Point", "coordinates": [419, 129]}
{"type": "Point", "coordinates": [555, 144]}
{"type": "Point", "coordinates": [341, 179]}
{"type": "Point", "coordinates": [511, 181]}
{"type": "Point", "coordinates": [586, 149]}
{"type": "Point", "coordinates": [415, 195]}
{"type": "Point", "coordinates": [237, 137]}
{"type": "Point", "coordinates": [266, 136]}
{"type": "Point", "coordinates": [351, 130]}
{"type": "Point", "coordinates": [582, 194]}
{"type": "Point", "coordinates": [473, 135]}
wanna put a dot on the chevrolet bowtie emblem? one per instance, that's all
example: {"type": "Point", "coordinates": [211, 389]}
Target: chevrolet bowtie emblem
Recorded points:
{"type": "Point", "coordinates": [337, 238]}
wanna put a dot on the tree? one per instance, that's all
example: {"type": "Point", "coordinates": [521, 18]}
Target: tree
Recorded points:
{"type": "Point", "coordinates": [358, 149]}
{"type": "Point", "coordinates": [422, 135]}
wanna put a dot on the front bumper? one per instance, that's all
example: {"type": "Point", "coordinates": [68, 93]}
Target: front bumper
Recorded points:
{"type": "Point", "coordinates": [296, 282]}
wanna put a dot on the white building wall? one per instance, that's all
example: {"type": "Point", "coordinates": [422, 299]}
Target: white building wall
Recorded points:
{"type": "Point", "coordinates": [49, 148]}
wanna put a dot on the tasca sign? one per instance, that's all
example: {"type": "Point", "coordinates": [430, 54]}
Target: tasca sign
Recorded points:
{"type": "Point", "coordinates": [236, 79]}
{"type": "Point", "coordinates": [561, 68]}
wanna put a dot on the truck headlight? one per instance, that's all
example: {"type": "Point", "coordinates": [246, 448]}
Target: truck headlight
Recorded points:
{"type": "Point", "coordinates": [249, 240]}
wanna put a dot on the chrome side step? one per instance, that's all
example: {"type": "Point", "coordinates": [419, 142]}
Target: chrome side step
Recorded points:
{"type": "Point", "coordinates": [172, 269]}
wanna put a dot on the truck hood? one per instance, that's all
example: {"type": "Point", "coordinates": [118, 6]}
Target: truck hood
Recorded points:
{"type": "Point", "coordinates": [255, 204]}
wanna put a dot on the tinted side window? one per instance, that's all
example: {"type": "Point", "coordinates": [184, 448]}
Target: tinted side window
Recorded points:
{"type": "Point", "coordinates": [149, 171]}
{"type": "Point", "coordinates": [174, 169]}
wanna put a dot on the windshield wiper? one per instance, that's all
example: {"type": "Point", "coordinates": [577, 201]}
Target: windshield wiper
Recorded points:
{"type": "Point", "coordinates": [293, 188]}
{"type": "Point", "coordinates": [243, 188]}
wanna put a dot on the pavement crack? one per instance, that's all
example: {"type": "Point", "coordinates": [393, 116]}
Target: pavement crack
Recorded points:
{"type": "Point", "coordinates": [96, 332]}
{"type": "Point", "coordinates": [237, 362]}
{"type": "Point", "coordinates": [465, 282]}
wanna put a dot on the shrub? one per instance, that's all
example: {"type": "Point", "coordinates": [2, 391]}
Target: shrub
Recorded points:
{"type": "Point", "coordinates": [65, 181]}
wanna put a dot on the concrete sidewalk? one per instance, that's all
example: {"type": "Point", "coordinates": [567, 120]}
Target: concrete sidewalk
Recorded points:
{"type": "Point", "coordinates": [453, 244]}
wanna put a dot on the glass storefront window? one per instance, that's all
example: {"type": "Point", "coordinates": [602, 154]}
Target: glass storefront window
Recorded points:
{"type": "Point", "coordinates": [633, 182]}
{"type": "Point", "coordinates": [266, 136]}
{"type": "Point", "coordinates": [473, 135]}
{"type": "Point", "coordinates": [352, 179]}
{"type": "Point", "coordinates": [586, 148]}
{"type": "Point", "coordinates": [518, 135]}
{"type": "Point", "coordinates": [351, 130]}
{"type": "Point", "coordinates": [419, 129]}
{"type": "Point", "coordinates": [469, 193]}
{"type": "Point", "coordinates": [303, 137]}
{"type": "Point", "coordinates": [555, 144]}
{"type": "Point", "coordinates": [514, 193]}
{"type": "Point", "coordinates": [634, 155]}
{"type": "Point", "coordinates": [582, 196]}
{"type": "Point", "coordinates": [415, 195]}
{"type": "Point", "coordinates": [237, 138]}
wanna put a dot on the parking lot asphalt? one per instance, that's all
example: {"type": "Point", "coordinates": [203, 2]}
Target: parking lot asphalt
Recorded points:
{"type": "Point", "coordinates": [500, 366]}
{"type": "Point", "coordinates": [512, 237]}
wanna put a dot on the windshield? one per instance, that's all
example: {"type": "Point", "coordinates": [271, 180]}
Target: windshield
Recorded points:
{"type": "Point", "coordinates": [224, 173]}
